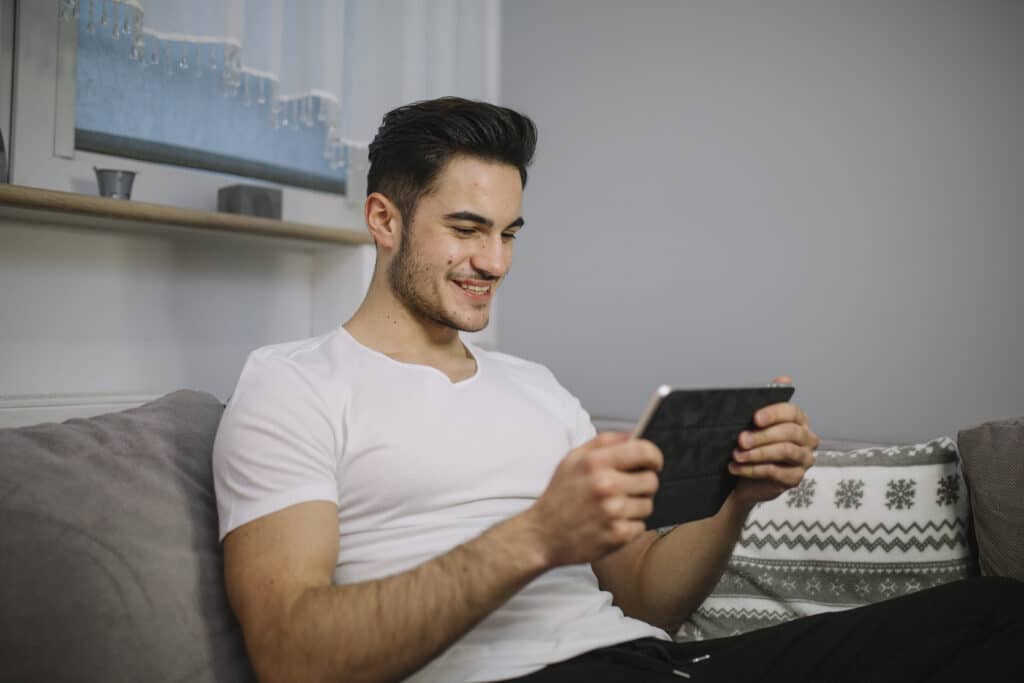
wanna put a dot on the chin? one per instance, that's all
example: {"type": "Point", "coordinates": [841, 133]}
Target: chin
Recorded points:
{"type": "Point", "coordinates": [472, 325]}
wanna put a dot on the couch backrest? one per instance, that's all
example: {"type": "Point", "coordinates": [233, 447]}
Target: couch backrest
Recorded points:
{"type": "Point", "coordinates": [110, 568]}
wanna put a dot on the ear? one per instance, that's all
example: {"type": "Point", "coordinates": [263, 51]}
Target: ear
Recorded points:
{"type": "Point", "coordinates": [383, 220]}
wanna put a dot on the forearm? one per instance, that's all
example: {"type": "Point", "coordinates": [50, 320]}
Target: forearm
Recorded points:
{"type": "Point", "coordinates": [383, 630]}
{"type": "Point", "coordinates": [680, 569]}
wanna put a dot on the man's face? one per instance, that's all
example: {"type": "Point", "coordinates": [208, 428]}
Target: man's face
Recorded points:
{"type": "Point", "coordinates": [458, 245]}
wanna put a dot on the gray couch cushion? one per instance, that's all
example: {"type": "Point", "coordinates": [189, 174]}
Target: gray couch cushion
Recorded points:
{"type": "Point", "coordinates": [110, 569]}
{"type": "Point", "coordinates": [993, 463]}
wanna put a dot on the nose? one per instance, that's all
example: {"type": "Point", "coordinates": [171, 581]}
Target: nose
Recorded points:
{"type": "Point", "coordinates": [493, 257]}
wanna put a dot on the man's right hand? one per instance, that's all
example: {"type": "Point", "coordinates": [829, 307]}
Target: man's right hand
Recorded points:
{"type": "Point", "coordinates": [597, 499]}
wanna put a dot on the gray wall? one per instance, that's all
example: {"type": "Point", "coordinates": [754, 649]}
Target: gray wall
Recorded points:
{"type": "Point", "coordinates": [725, 191]}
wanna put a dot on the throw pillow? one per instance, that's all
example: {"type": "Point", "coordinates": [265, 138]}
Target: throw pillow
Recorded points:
{"type": "Point", "coordinates": [863, 526]}
{"type": "Point", "coordinates": [111, 567]}
{"type": "Point", "coordinates": [993, 461]}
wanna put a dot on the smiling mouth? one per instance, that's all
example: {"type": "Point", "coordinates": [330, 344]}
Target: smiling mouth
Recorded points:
{"type": "Point", "coordinates": [474, 288]}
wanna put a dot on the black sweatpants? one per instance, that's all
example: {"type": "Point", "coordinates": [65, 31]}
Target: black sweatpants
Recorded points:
{"type": "Point", "coordinates": [970, 630]}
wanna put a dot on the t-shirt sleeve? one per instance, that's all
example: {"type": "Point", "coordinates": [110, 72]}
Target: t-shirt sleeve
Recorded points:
{"type": "Point", "coordinates": [275, 446]}
{"type": "Point", "coordinates": [583, 428]}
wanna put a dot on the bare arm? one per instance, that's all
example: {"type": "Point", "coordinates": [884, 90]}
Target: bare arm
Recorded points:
{"type": "Point", "coordinates": [300, 627]}
{"type": "Point", "coordinates": [662, 580]}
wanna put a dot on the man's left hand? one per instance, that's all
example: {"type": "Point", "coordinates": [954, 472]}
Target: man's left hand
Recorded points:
{"type": "Point", "coordinates": [774, 457]}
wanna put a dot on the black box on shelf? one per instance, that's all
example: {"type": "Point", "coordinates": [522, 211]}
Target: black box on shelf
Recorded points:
{"type": "Point", "coordinates": [250, 200]}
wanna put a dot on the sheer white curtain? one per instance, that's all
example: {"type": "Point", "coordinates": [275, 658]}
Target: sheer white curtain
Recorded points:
{"type": "Point", "coordinates": [337, 63]}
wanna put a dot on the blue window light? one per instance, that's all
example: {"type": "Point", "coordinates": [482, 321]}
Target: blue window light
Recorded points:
{"type": "Point", "coordinates": [157, 100]}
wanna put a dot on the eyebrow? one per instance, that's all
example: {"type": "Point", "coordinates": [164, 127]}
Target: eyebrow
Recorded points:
{"type": "Point", "coordinates": [477, 218]}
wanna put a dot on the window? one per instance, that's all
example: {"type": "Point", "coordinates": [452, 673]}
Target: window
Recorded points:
{"type": "Point", "coordinates": [186, 100]}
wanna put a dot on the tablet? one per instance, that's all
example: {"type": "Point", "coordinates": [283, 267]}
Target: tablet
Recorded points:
{"type": "Point", "coordinates": [697, 430]}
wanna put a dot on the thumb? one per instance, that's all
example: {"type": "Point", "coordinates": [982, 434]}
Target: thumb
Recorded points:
{"type": "Point", "coordinates": [783, 379]}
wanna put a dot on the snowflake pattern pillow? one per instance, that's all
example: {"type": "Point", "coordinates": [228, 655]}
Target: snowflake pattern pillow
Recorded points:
{"type": "Point", "coordinates": [863, 526]}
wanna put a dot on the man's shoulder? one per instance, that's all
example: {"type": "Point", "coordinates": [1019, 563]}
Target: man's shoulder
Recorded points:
{"type": "Point", "coordinates": [319, 360]}
{"type": "Point", "coordinates": [307, 351]}
{"type": "Point", "coordinates": [316, 368]}
{"type": "Point", "coordinates": [293, 348]}
{"type": "Point", "coordinates": [524, 370]}
{"type": "Point", "coordinates": [538, 382]}
{"type": "Point", "coordinates": [515, 362]}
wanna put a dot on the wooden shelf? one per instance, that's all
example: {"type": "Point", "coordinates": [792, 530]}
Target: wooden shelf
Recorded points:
{"type": "Point", "coordinates": [33, 204]}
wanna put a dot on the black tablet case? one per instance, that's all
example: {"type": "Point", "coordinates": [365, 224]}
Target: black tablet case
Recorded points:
{"type": "Point", "coordinates": [697, 431]}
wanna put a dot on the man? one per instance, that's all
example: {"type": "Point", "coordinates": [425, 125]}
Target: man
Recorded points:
{"type": "Point", "coordinates": [397, 503]}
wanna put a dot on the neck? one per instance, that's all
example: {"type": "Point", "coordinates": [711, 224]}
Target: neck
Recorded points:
{"type": "Point", "coordinates": [385, 324]}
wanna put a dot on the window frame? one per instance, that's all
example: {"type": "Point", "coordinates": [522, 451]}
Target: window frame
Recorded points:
{"type": "Point", "coordinates": [6, 72]}
{"type": "Point", "coordinates": [42, 152]}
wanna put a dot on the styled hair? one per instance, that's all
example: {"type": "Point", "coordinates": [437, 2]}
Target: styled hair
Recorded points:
{"type": "Point", "coordinates": [415, 142]}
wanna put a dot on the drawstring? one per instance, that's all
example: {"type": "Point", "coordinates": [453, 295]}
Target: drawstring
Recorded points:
{"type": "Point", "coordinates": [695, 660]}
{"type": "Point", "coordinates": [659, 648]}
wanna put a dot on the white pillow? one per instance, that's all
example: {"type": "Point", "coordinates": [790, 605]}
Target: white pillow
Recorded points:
{"type": "Point", "coordinates": [863, 526]}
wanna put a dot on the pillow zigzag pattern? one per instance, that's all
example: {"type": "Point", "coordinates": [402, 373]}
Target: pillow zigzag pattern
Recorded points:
{"type": "Point", "coordinates": [849, 527]}
{"type": "Point", "coordinates": [863, 525]}
{"type": "Point", "coordinates": [846, 543]}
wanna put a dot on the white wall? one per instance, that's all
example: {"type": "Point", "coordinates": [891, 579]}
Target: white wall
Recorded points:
{"type": "Point", "coordinates": [163, 312]}
{"type": "Point", "coordinates": [98, 317]}
{"type": "Point", "coordinates": [728, 190]}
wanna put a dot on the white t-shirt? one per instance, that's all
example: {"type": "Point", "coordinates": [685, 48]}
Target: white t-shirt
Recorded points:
{"type": "Point", "coordinates": [417, 465]}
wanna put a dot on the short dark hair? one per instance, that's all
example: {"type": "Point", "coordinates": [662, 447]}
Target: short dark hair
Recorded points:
{"type": "Point", "coordinates": [416, 141]}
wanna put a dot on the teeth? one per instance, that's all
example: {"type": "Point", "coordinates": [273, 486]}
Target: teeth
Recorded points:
{"type": "Point", "coordinates": [475, 290]}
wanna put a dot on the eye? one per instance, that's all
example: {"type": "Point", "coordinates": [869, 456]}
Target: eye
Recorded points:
{"type": "Point", "coordinates": [463, 232]}
{"type": "Point", "coordinates": [508, 236]}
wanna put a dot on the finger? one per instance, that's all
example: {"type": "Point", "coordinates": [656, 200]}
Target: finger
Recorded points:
{"type": "Point", "coordinates": [609, 483]}
{"type": "Point", "coordinates": [624, 531]}
{"type": "Point", "coordinates": [635, 454]}
{"type": "Point", "coordinates": [783, 379]}
{"type": "Point", "coordinates": [643, 483]}
{"type": "Point", "coordinates": [604, 439]}
{"type": "Point", "coordinates": [786, 476]}
{"type": "Point", "coordinates": [780, 412]}
{"type": "Point", "coordinates": [785, 452]}
{"type": "Point", "coordinates": [628, 507]}
{"type": "Point", "coordinates": [786, 431]}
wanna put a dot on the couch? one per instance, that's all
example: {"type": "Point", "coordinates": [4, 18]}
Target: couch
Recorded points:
{"type": "Point", "coordinates": [111, 569]}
